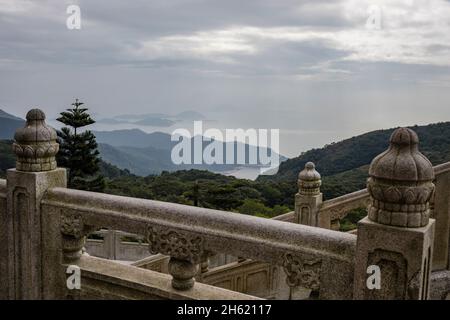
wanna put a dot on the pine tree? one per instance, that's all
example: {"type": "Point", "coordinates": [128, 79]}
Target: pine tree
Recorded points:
{"type": "Point", "coordinates": [78, 150]}
{"type": "Point", "coordinates": [196, 193]}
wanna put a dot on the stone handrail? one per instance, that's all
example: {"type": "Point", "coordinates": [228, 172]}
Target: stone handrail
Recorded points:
{"type": "Point", "coordinates": [112, 247]}
{"type": "Point", "coordinates": [205, 230]}
{"type": "Point", "coordinates": [286, 217]}
{"type": "Point", "coordinates": [441, 168]}
{"type": "Point", "coordinates": [105, 279]}
{"type": "Point", "coordinates": [335, 209]}
{"type": "Point", "coordinates": [157, 262]}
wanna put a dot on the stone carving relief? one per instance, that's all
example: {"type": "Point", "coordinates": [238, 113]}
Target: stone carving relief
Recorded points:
{"type": "Point", "coordinates": [303, 272]}
{"type": "Point", "coordinates": [175, 244]}
{"type": "Point", "coordinates": [393, 268]}
{"type": "Point", "coordinates": [406, 206]}
{"type": "Point", "coordinates": [74, 231]}
{"type": "Point", "coordinates": [74, 226]}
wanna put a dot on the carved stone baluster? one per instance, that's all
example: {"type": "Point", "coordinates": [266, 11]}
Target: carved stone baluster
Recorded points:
{"type": "Point", "coordinates": [74, 233]}
{"type": "Point", "coordinates": [204, 265]}
{"type": "Point", "coordinates": [183, 273]}
{"type": "Point", "coordinates": [186, 253]}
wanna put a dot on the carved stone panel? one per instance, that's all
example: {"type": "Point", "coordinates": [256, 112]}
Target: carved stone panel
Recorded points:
{"type": "Point", "coordinates": [393, 267]}
{"type": "Point", "coordinates": [303, 272]}
{"type": "Point", "coordinates": [175, 244]}
{"type": "Point", "coordinates": [72, 225]}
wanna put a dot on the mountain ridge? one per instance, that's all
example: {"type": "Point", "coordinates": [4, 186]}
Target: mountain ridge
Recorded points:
{"type": "Point", "coordinates": [9, 124]}
{"type": "Point", "coordinates": [358, 151]}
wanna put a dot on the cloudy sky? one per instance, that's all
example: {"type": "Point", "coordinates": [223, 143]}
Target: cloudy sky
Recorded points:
{"type": "Point", "coordinates": [320, 71]}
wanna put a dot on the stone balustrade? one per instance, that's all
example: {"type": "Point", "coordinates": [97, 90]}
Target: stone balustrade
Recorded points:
{"type": "Point", "coordinates": [187, 233]}
{"type": "Point", "coordinates": [43, 229]}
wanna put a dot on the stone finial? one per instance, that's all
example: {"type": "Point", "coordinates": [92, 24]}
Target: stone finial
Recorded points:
{"type": "Point", "coordinates": [400, 183]}
{"type": "Point", "coordinates": [35, 145]}
{"type": "Point", "coordinates": [309, 180]}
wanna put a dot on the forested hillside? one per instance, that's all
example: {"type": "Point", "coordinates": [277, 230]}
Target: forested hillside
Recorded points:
{"type": "Point", "coordinates": [359, 151]}
{"type": "Point", "coordinates": [210, 190]}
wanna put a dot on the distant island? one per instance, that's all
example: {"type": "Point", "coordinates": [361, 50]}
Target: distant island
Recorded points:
{"type": "Point", "coordinates": [153, 119]}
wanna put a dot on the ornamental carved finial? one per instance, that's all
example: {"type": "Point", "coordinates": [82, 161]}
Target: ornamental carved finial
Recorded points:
{"type": "Point", "coordinates": [401, 183]}
{"type": "Point", "coordinates": [35, 144]}
{"type": "Point", "coordinates": [309, 180]}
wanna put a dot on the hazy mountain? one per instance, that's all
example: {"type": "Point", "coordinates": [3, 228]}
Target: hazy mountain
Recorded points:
{"type": "Point", "coordinates": [141, 153]}
{"type": "Point", "coordinates": [9, 124]}
{"type": "Point", "coordinates": [134, 138]}
{"type": "Point", "coordinates": [189, 115]}
{"type": "Point", "coordinates": [151, 160]}
{"type": "Point", "coordinates": [155, 122]}
{"type": "Point", "coordinates": [148, 153]}
{"type": "Point", "coordinates": [139, 161]}
{"type": "Point", "coordinates": [6, 115]}
{"type": "Point", "coordinates": [135, 117]}
{"type": "Point", "coordinates": [110, 121]}
{"type": "Point", "coordinates": [153, 119]}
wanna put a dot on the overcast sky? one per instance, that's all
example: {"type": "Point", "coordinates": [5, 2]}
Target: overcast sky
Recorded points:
{"type": "Point", "coordinates": [313, 69]}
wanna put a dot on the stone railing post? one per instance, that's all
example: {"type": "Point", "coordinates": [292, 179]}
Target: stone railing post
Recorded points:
{"type": "Point", "coordinates": [395, 242]}
{"type": "Point", "coordinates": [309, 198]}
{"type": "Point", "coordinates": [35, 148]}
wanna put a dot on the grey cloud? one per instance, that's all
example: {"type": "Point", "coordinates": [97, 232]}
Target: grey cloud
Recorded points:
{"type": "Point", "coordinates": [298, 78]}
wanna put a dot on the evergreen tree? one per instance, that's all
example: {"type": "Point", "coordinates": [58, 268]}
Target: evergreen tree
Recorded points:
{"type": "Point", "coordinates": [196, 193]}
{"type": "Point", "coordinates": [78, 150]}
